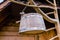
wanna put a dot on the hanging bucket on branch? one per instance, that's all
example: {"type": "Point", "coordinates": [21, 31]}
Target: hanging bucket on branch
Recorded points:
{"type": "Point", "coordinates": [32, 23]}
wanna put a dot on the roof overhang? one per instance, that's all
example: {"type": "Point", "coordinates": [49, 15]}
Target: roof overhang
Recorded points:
{"type": "Point", "coordinates": [4, 5]}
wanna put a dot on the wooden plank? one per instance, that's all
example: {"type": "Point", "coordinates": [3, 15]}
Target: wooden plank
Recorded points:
{"type": "Point", "coordinates": [47, 35]}
{"type": "Point", "coordinates": [15, 38]}
{"type": "Point", "coordinates": [10, 33]}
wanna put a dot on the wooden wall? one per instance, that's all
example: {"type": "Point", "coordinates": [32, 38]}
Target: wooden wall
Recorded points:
{"type": "Point", "coordinates": [10, 32]}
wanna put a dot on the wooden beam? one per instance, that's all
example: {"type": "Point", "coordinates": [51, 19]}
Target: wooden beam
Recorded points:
{"type": "Point", "coordinates": [3, 5]}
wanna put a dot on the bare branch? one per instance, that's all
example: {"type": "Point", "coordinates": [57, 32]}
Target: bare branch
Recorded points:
{"type": "Point", "coordinates": [50, 29]}
{"type": "Point", "coordinates": [50, 2]}
{"type": "Point", "coordinates": [41, 6]}
{"type": "Point", "coordinates": [38, 10]}
{"type": "Point", "coordinates": [50, 13]}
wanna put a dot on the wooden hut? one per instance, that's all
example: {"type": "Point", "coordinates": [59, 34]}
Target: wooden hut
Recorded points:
{"type": "Point", "coordinates": [9, 14]}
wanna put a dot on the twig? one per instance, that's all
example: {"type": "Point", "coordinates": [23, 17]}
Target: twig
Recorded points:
{"type": "Point", "coordinates": [50, 2]}
{"type": "Point", "coordinates": [50, 29]}
{"type": "Point", "coordinates": [53, 38]}
{"type": "Point", "coordinates": [50, 13]}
